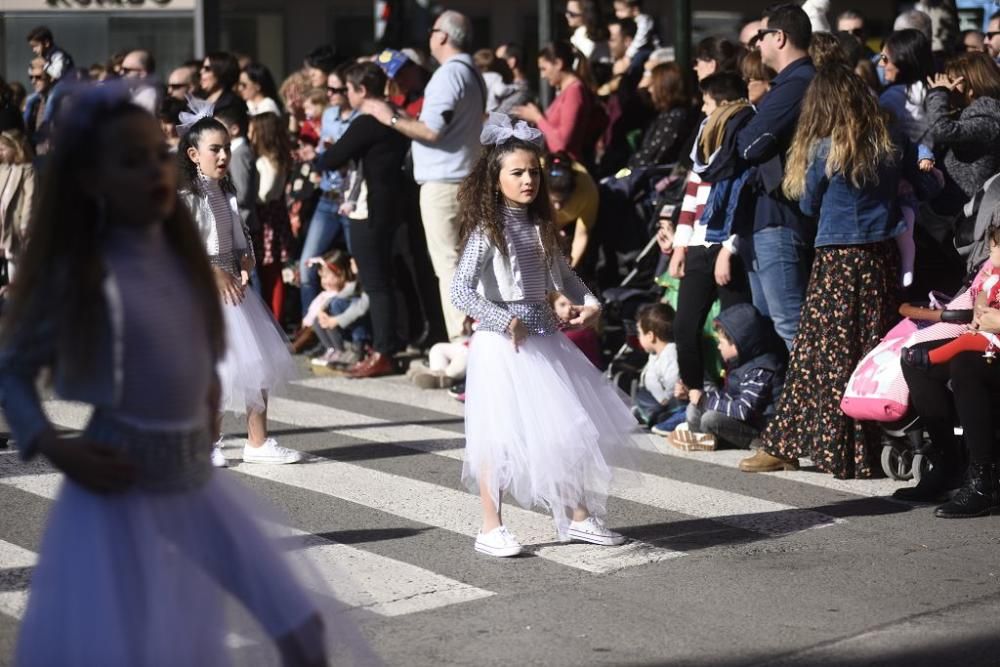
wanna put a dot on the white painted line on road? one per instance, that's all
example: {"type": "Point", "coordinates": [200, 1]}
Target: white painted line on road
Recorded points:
{"type": "Point", "coordinates": [452, 510]}
{"type": "Point", "coordinates": [397, 390]}
{"type": "Point", "coordinates": [383, 585]}
{"type": "Point", "coordinates": [359, 578]}
{"type": "Point", "coordinates": [12, 556]}
{"type": "Point", "coordinates": [301, 413]}
{"type": "Point", "coordinates": [732, 509]}
{"type": "Point", "coordinates": [730, 458]}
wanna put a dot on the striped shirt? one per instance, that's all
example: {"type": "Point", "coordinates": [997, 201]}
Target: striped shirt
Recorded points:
{"type": "Point", "coordinates": [526, 253]}
{"type": "Point", "coordinates": [218, 201]}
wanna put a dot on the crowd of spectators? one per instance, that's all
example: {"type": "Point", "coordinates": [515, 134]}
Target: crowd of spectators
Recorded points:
{"type": "Point", "coordinates": [803, 177]}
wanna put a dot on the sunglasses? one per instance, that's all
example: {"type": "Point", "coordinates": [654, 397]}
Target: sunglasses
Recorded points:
{"type": "Point", "coordinates": [573, 15]}
{"type": "Point", "coordinates": [991, 35]}
{"type": "Point", "coordinates": [36, 77]}
{"type": "Point", "coordinates": [335, 91]}
{"type": "Point", "coordinates": [131, 70]}
{"type": "Point", "coordinates": [431, 31]}
{"type": "Point", "coordinates": [762, 32]}
{"type": "Point", "coordinates": [175, 86]}
{"type": "Point", "coordinates": [206, 68]}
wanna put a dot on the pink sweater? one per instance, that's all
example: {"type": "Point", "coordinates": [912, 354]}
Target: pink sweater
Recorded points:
{"type": "Point", "coordinates": [565, 121]}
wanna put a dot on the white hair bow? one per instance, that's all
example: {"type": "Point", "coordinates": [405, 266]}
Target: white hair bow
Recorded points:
{"type": "Point", "coordinates": [499, 127]}
{"type": "Point", "coordinates": [197, 109]}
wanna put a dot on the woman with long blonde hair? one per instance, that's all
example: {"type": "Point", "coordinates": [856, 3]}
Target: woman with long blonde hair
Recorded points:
{"type": "Point", "coordinates": [844, 167]}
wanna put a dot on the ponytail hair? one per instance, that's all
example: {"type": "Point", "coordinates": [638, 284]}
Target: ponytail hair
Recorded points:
{"type": "Point", "coordinates": [572, 60]}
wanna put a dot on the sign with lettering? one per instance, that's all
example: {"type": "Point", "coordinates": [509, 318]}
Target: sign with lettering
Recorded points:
{"type": "Point", "coordinates": [45, 6]}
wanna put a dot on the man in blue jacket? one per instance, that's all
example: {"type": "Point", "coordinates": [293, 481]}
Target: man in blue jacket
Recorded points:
{"type": "Point", "coordinates": [781, 236]}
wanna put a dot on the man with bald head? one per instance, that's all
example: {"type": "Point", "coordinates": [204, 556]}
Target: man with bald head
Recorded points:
{"type": "Point", "coordinates": [139, 70]}
{"type": "Point", "coordinates": [445, 145]}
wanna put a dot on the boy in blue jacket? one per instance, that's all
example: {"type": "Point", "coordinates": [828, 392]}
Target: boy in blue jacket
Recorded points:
{"type": "Point", "coordinates": [736, 414]}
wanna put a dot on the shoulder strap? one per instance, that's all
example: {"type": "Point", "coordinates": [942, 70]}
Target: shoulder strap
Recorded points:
{"type": "Point", "coordinates": [477, 76]}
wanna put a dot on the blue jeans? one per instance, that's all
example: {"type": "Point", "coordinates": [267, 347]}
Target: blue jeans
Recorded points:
{"type": "Point", "coordinates": [324, 228]}
{"type": "Point", "coordinates": [359, 331]}
{"type": "Point", "coordinates": [779, 278]}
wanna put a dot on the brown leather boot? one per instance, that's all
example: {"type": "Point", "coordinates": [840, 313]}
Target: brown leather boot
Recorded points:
{"type": "Point", "coordinates": [761, 461]}
{"type": "Point", "coordinates": [304, 340]}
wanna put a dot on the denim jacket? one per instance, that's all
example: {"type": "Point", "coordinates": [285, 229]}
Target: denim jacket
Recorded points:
{"type": "Point", "coordinates": [849, 215]}
{"type": "Point", "coordinates": [34, 347]}
{"type": "Point", "coordinates": [730, 176]}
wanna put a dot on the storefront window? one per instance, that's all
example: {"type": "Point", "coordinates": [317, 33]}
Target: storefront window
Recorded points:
{"type": "Point", "coordinates": [92, 38]}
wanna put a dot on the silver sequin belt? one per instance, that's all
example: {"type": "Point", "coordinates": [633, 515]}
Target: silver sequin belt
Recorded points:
{"type": "Point", "coordinates": [166, 460]}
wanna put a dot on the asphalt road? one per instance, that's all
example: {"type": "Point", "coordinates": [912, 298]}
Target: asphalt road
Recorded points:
{"type": "Point", "coordinates": [724, 568]}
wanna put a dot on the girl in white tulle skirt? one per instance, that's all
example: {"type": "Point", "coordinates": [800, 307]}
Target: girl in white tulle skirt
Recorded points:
{"type": "Point", "coordinates": [258, 360]}
{"type": "Point", "coordinates": [541, 423]}
{"type": "Point", "coordinates": [149, 557]}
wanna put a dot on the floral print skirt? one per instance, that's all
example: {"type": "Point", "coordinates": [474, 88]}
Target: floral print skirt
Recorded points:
{"type": "Point", "coordinates": [850, 304]}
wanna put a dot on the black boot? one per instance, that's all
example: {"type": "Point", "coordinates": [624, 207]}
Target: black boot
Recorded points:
{"type": "Point", "coordinates": [945, 475]}
{"type": "Point", "coordinates": [978, 497]}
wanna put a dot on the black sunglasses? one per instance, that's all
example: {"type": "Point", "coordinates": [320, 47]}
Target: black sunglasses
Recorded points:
{"type": "Point", "coordinates": [175, 86]}
{"type": "Point", "coordinates": [335, 91]}
{"type": "Point", "coordinates": [35, 77]}
{"type": "Point", "coordinates": [573, 15]}
{"type": "Point", "coordinates": [761, 32]}
{"type": "Point", "coordinates": [431, 31]}
{"type": "Point", "coordinates": [991, 35]}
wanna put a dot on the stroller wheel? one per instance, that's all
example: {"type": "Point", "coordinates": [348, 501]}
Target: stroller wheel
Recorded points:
{"type": "Point", "coordinates": [897, 462]}
{"type": "Point", "coordinates": [921, 466]}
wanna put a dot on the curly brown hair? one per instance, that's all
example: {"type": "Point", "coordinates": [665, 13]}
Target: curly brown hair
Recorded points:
{"type": "Point", "coordinates": [480, 200]}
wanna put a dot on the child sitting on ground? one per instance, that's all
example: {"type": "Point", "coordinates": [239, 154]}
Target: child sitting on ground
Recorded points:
{"type": "Point", "coordinates": [654, 397]}
{"type": "Point", "coordinates": [339, 312]}
{"type": "Point", "coordinates": [735, 415]}
{"type": "Point", "coordinates": [446, 362]}
{"type": "Point", "coordinates": [986, 295]}
{"type": "Point", "coordinates": [584, 338]}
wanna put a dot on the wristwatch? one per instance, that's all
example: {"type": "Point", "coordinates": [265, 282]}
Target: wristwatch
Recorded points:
{"type": "Point", "coordinates": [394, 119]}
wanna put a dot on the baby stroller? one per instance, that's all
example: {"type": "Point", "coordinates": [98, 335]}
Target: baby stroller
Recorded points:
{"type": "Point", "coordinates": [647, 195]}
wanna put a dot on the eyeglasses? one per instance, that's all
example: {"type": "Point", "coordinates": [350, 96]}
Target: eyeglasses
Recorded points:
{"type": "Point", "coordinates": [991, 35]}
{"type": "Point", "coordinates": [431, 31]}
{"type": "Point", "coordinates": [206, 68]}
{"type": "Point", "coordinates": [761, 32]}
{"type": "Point", "coordinates": [331, 90]}
{"type": "Point", "coordinates": [175, 86]}
{"type": "Point", "coordinates": [36, 77]}
{"type": "Point", "coordinates": [131, 70]}
{"type": "Point", "coordinates": [573, 15]}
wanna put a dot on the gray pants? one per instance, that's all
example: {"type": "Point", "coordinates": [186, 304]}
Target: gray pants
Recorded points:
{"type": "Point", "coordinates": [727, 430]}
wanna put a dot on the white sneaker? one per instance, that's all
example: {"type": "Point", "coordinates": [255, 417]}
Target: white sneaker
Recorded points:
{"type": "Point", "coordinates": [498, 542]}
{"type": "Point", "coordinates": [594, 531]}
{"type": "Point", "coordinates": [218, 458]}
{"type": "Point", "coordinates": [270, 452]}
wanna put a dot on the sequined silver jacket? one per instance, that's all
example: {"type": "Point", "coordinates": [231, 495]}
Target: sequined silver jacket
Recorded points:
{"type": "Point", "coordinates": [488, 287]}
{"type": "Point", "coordinates": [198, 204]}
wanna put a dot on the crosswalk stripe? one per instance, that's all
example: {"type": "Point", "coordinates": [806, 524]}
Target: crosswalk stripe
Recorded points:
{"type": "Point", "coordinates": [397, 390]}
{"type": "Point", "coordinates": [383, 585]}
{"type": "Point", "coordinates": [362, 579]}
{"type": "Point", "coordinates": [12, 556]}
{"type": "Point", "coordinates": [451, 510]}
{"type": "Point", "coordinates": [732, 509]}
{"type": "Point", "coordinates": [417, 501]}
{"type": "Point", "coordinates": [728, 508]}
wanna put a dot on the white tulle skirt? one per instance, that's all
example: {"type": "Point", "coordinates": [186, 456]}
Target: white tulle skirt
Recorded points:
{"type": "Point", "coordinates": [258, 360]}
{"type": "Point", "coordinates": [544, 426]}
{"type": "Point", "coordinates": [199, 577]}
